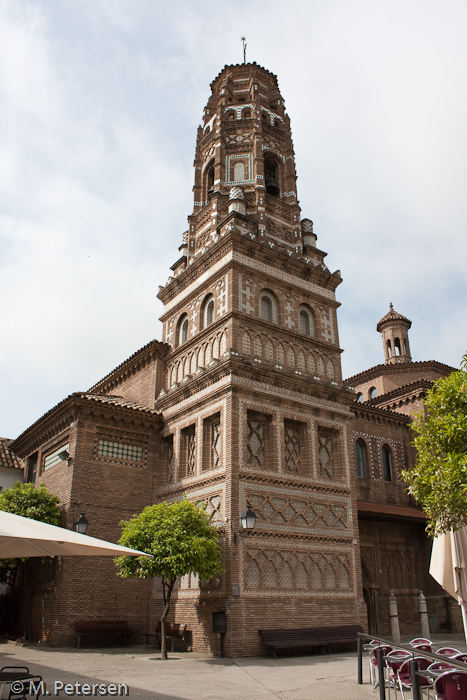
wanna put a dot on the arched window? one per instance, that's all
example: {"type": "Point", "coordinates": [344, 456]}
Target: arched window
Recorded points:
{"type": "Point", "coordinates": [271, 179]}
{"type": "Point", "coordinates": [209, 178]}
{"type": "Point", "coordinates": [182, 329]}
{"type": "Point", "coordinates": [397, 346]}
{"type": "Point", "coordinates": [360, 397]}
{"type": "Point", "coordinates": [389, 348]}
{"type": "Point", "coordinates": [207, 311]}
{"type": "Point", "coordinates": [387, 467]}
{"type": "Point", "coordinates": [306, 322]}
{"type": "Point", "coordinates": [373, 393]}
{"type": "Point", "coordinates": [268, 307]}
{"type": "Point", "coordinates": [231, 115]}
{"type": "Point", "coordinates": [360, 449]}
{"type": "Point", "coordinates": [246, 114]}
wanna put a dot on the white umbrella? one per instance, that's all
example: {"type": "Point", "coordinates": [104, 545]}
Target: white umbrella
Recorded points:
{"type": "Point", "coordinates": [24, 537]}
{"type": "Point", "coordinates": [448, 566]}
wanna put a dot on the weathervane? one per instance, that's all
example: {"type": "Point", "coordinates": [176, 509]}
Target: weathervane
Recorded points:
{"type": "Point", "coordinates": [244, 48]}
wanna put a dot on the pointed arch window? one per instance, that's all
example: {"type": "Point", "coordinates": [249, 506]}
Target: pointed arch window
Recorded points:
{"type": "Point", "coordinates": [360, 449]}
{"type": "Point", "coordinates": [387, 463]}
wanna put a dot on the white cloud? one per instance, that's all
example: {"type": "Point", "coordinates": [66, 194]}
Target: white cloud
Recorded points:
{"type": "Point", "coordinates": [99, 107]}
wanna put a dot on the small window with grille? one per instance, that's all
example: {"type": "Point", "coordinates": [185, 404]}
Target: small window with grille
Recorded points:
{"type": "Point", "coordinates": [360, 449]}
{"type": "Point", "coordinates": [212, 442]}
{"type": "Point", "coordinates": [328, 453]}
{"type": "Point", "coordinates": [259, 440]}
{"type": "Point", "coordinates": [188, 451]}
{"type": "Point", "coordinates": [294, 443]}
{"type": "Point", "coordinates": [387, 463]}
{"type": "Point", "coordinates": [169, 458]}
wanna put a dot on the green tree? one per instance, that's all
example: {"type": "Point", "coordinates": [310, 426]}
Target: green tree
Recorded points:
{"type": "Point", "coordinates": [37, 504]}
{"type": "Point", "coordinates": [181, 539]}
{"type": "Point", "coordinates": [439, 479]}
{"type": "Point", "coordinates": [31, 502]}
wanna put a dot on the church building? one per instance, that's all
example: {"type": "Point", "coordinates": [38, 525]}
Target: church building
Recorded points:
{"type": "Point", "coordinates": [243, 404]}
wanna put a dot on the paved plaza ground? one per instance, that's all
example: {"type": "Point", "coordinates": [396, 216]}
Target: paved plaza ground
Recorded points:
{"type": "Point", "coordinates": [194, 676]}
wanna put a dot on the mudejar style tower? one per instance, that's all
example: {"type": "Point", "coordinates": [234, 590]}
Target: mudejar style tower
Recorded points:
{"type": "Point", "coordinates": [253, 405]}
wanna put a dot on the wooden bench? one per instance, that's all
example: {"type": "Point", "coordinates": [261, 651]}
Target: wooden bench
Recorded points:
{"type": "Point", "coordinates": [101, 628]}
{"type": "Point", "coordinates": [304, 638]}
{"type": "Point", "coordinates": [173, 631]}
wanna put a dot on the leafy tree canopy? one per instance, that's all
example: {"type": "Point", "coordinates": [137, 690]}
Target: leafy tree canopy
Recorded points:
{"type": "Point", "coordinates": [180, 537]}
{"type": "Point", "coordinates": [439, 479]}
{"type": "Point", "coordinates": [31, 502]}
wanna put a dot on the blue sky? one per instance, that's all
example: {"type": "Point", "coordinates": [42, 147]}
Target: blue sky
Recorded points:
{"type": "Point", "coordinates": [99, 105]}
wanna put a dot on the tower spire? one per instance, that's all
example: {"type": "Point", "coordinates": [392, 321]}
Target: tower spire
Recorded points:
{"type": "Point", "coordinates": [244, 48]}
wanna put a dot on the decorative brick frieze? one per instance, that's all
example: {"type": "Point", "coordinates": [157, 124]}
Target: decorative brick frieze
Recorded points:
{"type": "Point", "coordinates": [308, 570]}
{"type": "Point", "coordinates": [299, 511]}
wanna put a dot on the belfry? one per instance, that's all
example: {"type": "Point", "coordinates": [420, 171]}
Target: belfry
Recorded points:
{"type": "Point", "coordinates": [243, 406]}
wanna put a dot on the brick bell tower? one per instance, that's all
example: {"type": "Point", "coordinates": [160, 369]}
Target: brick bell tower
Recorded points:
{"type": "Point", "coordinates": [254, 409]}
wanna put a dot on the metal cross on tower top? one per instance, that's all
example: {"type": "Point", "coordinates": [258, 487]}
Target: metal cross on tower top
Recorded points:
{"type": "Point", "coordinates": [244, 48]}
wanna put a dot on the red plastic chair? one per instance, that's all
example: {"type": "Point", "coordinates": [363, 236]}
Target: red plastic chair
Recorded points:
{"type": "Point", "coordinates": [374, 663]}
{"type": "Point", "coordinates": [405, 679]}
{"type": "Point", "coordinates": [423, 647]}
{"type": "Point", "coordinates": [447, 652]}
{"type": "Point", "coordinates": [394, 661]}
{"type": "Point", "coordinates": [451, 685]}
{"type": "Point", "coordinates": [440, 666]}
{"type": "Point", "coordinates": [461, 657]}
{"type": "Point", "coordinates": [420, 640]}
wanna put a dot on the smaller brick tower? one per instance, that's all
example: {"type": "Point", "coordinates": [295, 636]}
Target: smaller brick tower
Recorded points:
{"type": "Point", "coordinates": [395, 331]}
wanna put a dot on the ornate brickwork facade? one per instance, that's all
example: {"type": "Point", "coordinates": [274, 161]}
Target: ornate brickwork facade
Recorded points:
{"type": "Point", "coordinates": [243, 403]}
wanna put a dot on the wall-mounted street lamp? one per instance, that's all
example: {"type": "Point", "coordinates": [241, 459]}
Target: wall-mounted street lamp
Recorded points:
{"type": "Point", "coordinates": [247, 521]}
{"type": "Point", "coordinates": [81, 525]}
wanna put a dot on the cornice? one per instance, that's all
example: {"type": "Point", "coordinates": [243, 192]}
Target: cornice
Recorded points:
{"type": "Point", "coordinates": [259, 373]}
{"type": "Point", "coordinates": [77, 405]}
{"type": "Point", "coordinates": [420, 386]}
{"type": "Point", "coordinates": [363, 410]}
{"type": "Point", "coordinates": [252, 248]}
{"type": "Point", "coordinates": [398, 367]}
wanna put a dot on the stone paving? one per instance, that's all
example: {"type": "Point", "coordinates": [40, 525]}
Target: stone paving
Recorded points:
{"type": "Point", "coordinates": [192, 676]}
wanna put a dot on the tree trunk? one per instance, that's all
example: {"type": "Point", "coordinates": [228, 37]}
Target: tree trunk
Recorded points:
{"type": "Point", "coordinates": [167, 588]}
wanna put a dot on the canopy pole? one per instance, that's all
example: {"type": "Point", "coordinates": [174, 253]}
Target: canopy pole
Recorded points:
{"type": "Point", "coordinates": [464, 619]}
